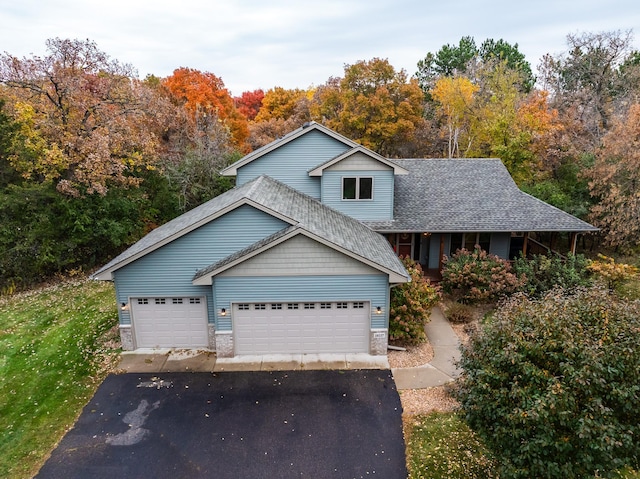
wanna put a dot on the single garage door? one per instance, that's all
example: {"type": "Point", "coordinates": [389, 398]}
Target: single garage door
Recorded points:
{"type": "Point", "coordinates": [170, 322]}
{"type": "Point", "coordinates": [289, 328]}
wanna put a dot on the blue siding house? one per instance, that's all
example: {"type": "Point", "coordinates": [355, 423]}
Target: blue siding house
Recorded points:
{"type": "Point", "coordinates": [300, 256]}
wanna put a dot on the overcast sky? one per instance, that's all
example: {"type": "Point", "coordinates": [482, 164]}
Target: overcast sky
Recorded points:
{"type": "Point", "coordinates": [254, 44]}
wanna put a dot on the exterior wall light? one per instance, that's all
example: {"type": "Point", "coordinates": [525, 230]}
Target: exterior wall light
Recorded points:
{"type": "Point", "coordinates": [223, 312]}
{"type": "Point", "coordinates": [378, 310]}
{"type": "Point", "coordinates": [124, 306]}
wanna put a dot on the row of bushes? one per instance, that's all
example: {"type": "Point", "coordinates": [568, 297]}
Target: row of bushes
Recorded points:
{"type": "Point", "coordinates": [472, 277]}
{"type": "Point", "coordinates": [476, 276]}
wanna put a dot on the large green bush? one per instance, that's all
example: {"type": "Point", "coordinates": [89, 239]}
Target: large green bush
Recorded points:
{"type": "Point", "coordinates": [552, 385]}
{"type": "Point", "coordinates": [411, 305]}
{"type": "Point", "coordinates": [543, 273]}
{"type": "Point", "coordinates": [477, 276]}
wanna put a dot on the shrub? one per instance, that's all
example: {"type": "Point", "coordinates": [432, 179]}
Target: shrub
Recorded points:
{"type": "Point", "coordinates": [543, 273]}
{"type": "Point", "coordinates": [552, 385]}
{"type": "Point", "coordinates": [476, 276]}
{"type": "Point", "coordinates": [611, 273]}
{"type": "Point", "coordinates": [411, 305]}
{"type": "Point", "coordinates": [459, 313]}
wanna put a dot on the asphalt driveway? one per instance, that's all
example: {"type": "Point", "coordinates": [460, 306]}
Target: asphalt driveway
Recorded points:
{"type": "Point", "coordinates": [284, 424]}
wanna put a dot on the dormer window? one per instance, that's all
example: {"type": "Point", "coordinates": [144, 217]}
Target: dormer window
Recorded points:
{"type": "Point", "coordinates": [357, 188]}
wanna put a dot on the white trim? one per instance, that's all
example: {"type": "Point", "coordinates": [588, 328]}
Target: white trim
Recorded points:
{"type": "Point", "coordinates": [107, 275]}
{"type": "Point", "coordinates": [397, 169]}
{"type": "Point", "coordinates": [357, 192]}
{"type": "Point", "coordinates": [232, 170]}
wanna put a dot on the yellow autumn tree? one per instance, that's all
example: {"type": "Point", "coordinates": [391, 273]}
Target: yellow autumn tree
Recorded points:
{"type": "Point", "coordinates": [454, 97]}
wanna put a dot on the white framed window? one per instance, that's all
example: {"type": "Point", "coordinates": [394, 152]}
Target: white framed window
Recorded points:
{"type": "Point", "coordinates": [176, 300]}
{"type": "Point", "coordinates": [160, 301]}
{"type": "Point", "coordinates": [357, 188]}
{"type": "Point", "coordinates": [243, 307]}
{"type": "Point", "coordinates": [143, 301]}
{"type": "Point", "coordinates": [309, 305]}
{"type": "Point", "coordinates": [260, 306]}
{"type": "Point", "coordinates": [194, 300]}
{"type": "Point", "coordinates": [292, 306]}
{"type": "Point", "coordinates": [276, 306]}
{"type": "Point", "coordinates": [325, 305]}
{"type": "Point", "coordinates": [358, 305]}
{"type": "Point", "coordinates": [341, 305]}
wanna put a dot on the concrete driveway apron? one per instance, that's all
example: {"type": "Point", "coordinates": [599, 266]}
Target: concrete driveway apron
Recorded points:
{"type": "Point", "coordinates": [280, 424]}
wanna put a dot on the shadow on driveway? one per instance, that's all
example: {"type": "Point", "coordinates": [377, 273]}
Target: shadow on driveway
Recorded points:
{"type": "Point", "coordinates": [285, 424]}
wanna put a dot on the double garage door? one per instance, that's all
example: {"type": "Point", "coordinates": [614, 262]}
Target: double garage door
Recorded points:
{"type": "Point", "coordinates": [291, 328]}
{"type": "Point", "coordinates": [170, 322]}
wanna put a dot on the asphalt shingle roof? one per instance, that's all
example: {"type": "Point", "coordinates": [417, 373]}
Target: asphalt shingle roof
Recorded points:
{"type": "Point", "coordinates": [284, 201]}
{"type": "Point", "coordinates": [468, 195]}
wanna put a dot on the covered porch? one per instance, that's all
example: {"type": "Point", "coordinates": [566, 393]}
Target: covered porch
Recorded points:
{"type": "Point", "coordinates": [430, 248]}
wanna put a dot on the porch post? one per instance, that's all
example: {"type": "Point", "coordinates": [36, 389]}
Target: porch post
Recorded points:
{"type": "Point", "coordinates": [524, 245]}
{"type": "Point", "coordinates": [441, 252]}
{"type": "Point", "coordinates": [574, 242]}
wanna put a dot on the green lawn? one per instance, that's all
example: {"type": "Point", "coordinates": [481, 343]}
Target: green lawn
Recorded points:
{"type": "Point", "coordinates": [56, 346]}
{"type": "Point", "coordinates": [441, 446]}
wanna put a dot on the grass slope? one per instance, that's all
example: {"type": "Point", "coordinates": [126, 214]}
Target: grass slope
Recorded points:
{"type": "Point", "coordinates": [56, 346]}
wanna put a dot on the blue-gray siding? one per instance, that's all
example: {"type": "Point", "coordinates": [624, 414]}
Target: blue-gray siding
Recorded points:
{"type": "Point", "coordinates": [291, 162]}
{"type": "Point", "coordinates": [169, 270]}
{"type": "Point", "coordinates": [378, 208]}
{"type": "Point", "coordinates": [500, 243]}
{"type": "Point", "coordinates": [373, 288]}
{"type": "Point", "coordinates": [498, 246]}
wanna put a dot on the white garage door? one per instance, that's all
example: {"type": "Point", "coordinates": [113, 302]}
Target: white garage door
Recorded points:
{"type": "Point", "coordinates": [288, 328]}
{"type": "Point", "coordinates": [170, 322]}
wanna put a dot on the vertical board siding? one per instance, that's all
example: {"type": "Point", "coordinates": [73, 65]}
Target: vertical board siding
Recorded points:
{"type": "Point", "coordinates": [291, 162]}
{"type": "Point", "coordinates": [379, 208]}
{"type": "Point", "coordinates": [168, 271]}
{"type": "Point", "coordinates": [372, 288]}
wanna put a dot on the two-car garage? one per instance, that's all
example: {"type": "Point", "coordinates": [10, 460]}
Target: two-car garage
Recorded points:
{"type": "Point", "coordinates": [301, 327]}
{"type": "Point", "coordinates": [258, 328]}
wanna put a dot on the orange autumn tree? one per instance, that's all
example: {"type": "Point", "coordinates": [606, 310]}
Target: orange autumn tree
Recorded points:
{"type": "Point", "coordinates": [205, 94]}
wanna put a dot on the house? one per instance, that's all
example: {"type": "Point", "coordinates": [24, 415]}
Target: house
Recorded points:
{"type": "Point", "coordinates": [300, 256]}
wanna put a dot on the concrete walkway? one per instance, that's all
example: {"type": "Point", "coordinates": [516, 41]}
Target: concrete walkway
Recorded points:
{"type": "Point", "coordinates": [439, 371]}
{"type": "Point", "coordinates": [442, 368]}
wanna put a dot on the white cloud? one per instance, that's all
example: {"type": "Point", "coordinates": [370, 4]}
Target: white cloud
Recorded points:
{"type": "Point", "coordinates": [256, 44]}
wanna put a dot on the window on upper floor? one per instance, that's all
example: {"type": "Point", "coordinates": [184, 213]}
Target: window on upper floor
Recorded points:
{"type": "Point", "coordinates": [357, 188]}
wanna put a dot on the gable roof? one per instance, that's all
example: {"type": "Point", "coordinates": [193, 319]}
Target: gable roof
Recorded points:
{"type": "Point", "coordinates": [397, 170]}
{"type": "Point", "coordinates": [232, 170]}
{"type": "Point", "coordinates": [333, 228]}
{"type": "Point", "coordinates": [468, 195]}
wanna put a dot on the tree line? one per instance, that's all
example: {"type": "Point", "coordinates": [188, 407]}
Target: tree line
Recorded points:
{"type": "Point", "coordinates": [92, 157]}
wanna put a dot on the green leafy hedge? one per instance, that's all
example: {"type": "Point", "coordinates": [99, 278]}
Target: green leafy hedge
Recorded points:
{"type": "Point", "coordinates": [411, 305]}
{"type": "Point", "coordinates": [553, 385]}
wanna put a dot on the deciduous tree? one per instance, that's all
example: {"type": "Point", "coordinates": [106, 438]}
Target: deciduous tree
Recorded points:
{"type": "Point", "coordinates": [615, 181]}
{"type": "Point", "coordinates": [84, 120]}
{"type": "Point", "coordinates": [454, 98]}
{"type": "Point", "coordinates": [249, 103]}
{"type": "Point", "coordinates": [372, 104]}
{"type": "Point", "coordinates": [205, 93]}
